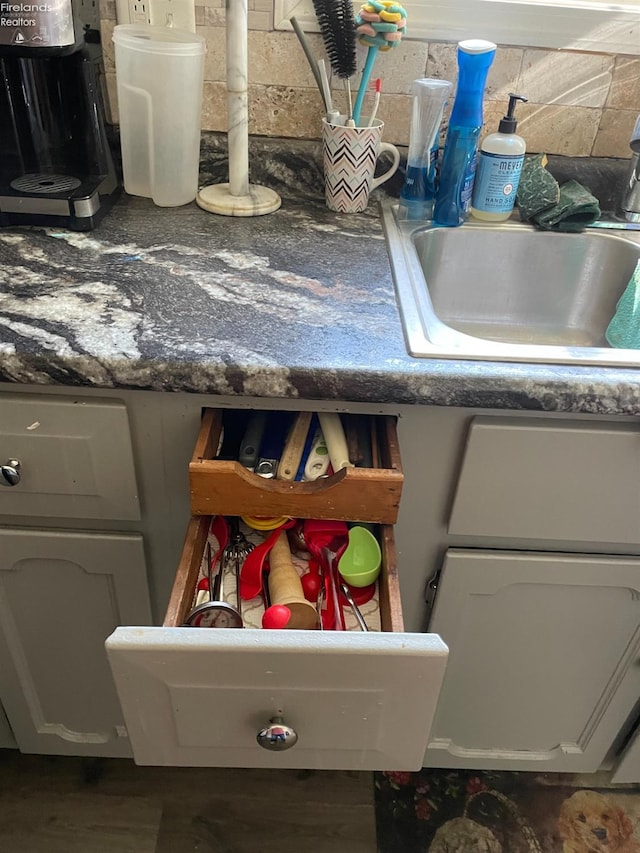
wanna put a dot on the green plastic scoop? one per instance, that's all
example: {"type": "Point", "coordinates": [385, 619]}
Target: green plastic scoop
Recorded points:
{"type": "Point", "coordinates": [360, 564]}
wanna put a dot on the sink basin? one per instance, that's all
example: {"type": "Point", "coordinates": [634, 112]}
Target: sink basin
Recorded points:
{"type": "Point", "coordinates": [509, 292]}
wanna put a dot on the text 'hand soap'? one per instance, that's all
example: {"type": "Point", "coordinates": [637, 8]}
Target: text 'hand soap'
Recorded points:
{"type": "Point", "coordinates": [498, 170]}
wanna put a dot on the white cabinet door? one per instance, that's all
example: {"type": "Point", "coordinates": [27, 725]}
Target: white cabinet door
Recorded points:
{"type": "Point", "coordinates": [61, 595]}
{"type": "Point", "coordinates": [543, 670]}
{"type": "Point", "coordinates": [198, 697]}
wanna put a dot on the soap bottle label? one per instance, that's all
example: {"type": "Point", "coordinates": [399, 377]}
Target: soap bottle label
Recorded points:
{"type": "Point", "coordinates": [497, 181]}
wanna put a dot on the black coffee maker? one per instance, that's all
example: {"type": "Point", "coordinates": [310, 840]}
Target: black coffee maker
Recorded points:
{"type": "Point", "coordinates": [55, 162]}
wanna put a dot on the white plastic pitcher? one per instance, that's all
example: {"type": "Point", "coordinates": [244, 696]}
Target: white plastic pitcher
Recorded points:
{"type": "Point", "coordinates": [160, 74]}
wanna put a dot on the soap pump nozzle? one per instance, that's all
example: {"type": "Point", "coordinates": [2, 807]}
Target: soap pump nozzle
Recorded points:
{"type": "Point", "coordinates": [509, 123]}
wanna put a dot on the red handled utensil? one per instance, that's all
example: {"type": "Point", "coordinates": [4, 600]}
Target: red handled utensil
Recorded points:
{"type": "Point", "coordinates": [251, 571]}
{"type": "Point", "coordinates": [327, 541]}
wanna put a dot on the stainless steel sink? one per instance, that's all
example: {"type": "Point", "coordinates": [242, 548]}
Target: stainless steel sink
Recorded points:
{"type": "Point", "coordinates": [509, 292]}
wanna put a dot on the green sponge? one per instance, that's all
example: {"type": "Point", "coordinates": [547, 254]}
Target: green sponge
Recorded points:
{"type": "Point", "coordinates": [575, 209]}
{"type": "Point", "coordinates": [624, 329]}
{"type": "Point", "coordinates": [551, 206]}
{"type": "Point", "coordinates": [538, 189]}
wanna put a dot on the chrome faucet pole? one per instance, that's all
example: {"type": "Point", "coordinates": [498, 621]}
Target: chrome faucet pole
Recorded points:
{"type": "Point", "coordinates": [631, 197]}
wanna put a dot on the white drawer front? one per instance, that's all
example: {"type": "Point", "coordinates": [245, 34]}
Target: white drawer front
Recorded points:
{"type": "Point", "coordinates": [198, 697]}
{"type": "Point", "coordinates": [76, 459]}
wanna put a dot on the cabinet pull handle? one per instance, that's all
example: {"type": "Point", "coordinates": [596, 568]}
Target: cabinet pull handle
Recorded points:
{"type": "Point", "coordinates": [10, 473]}
{"type": "Point", "coordinates": [277, 737]}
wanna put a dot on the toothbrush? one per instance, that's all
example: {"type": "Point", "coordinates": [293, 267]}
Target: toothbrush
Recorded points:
{"type": "Point", "coordinates": [350, 121]}
{"type": "Point", "coordinates": [332, 115]}
{"type": "Point", "coordinates": [376, 102]}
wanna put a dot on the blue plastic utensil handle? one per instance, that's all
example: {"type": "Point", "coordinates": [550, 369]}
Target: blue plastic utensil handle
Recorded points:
{"type": "Point", "coordinates": [313, 426]}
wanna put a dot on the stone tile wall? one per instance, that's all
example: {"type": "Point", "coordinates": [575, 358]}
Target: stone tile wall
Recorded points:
{"type": "Point", "coordinates": [579, 104]}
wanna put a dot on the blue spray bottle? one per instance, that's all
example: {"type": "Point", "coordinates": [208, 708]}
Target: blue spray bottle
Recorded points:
{"type": "Point", "coordinates": [461, 145]}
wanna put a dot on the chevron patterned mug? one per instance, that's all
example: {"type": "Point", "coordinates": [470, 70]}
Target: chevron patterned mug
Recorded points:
{"type": "Point", "coordinates": [350, 156]}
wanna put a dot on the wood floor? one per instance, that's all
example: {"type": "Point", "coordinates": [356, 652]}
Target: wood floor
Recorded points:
{"type": "Point", "coordinates": [73, 805]}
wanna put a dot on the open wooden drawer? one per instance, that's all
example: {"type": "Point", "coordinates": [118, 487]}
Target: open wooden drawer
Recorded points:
{"type": "Point", "coordinates": [352, 494]}
{"type": "Point", "coordinates": [198, 696]}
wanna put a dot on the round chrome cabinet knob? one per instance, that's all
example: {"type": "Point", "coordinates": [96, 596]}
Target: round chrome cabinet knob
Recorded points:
{"type": "Point", "coordinates": [277, 737]}
{"type": "Point", "coordinates": [10, 473]}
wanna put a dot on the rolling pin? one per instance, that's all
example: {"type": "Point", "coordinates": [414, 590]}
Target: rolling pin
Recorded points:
{"type": "Point", "coordinates": [285, 586]}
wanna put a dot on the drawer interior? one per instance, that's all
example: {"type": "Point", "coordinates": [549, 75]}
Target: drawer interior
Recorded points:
{"type": "Point", "coordinates": [224, 486]}
{"type": "Point", "coordinates": [189, 570]}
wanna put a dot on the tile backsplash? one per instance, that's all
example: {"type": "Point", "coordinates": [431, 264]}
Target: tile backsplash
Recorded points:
{"type": "Point", "coordinates": [579, 104]}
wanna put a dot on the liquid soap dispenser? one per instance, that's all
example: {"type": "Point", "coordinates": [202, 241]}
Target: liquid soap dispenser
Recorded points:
{"type": "Point", "coordinates": [499, 168]}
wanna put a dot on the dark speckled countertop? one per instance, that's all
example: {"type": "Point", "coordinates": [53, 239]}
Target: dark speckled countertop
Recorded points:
{"type": "Point", "coordinates": [299, 303]}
